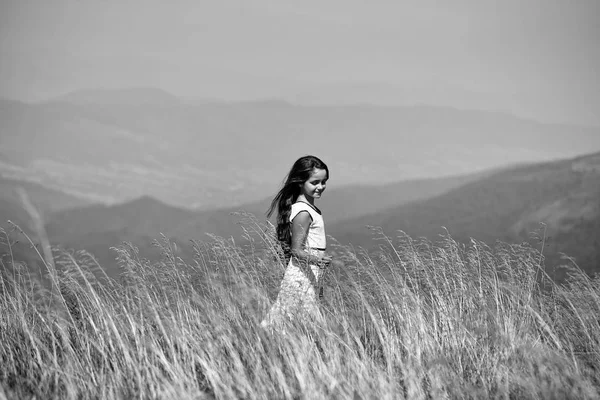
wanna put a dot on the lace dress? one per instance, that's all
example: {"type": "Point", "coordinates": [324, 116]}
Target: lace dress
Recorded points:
{"type": "Point", "coordinates": [298, 297]}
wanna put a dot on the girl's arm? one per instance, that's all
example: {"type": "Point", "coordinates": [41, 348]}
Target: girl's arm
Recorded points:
{"type": "Point", "coordinates": [300, 225]}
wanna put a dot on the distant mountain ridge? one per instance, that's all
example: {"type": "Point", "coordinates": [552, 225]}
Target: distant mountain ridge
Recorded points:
{"type": "Point", "coordinates": [443, 95]}
{"type": "Point", "coordinates": [127, 97]}
{"type": "Point", "coordinates": [47, 200]}
{"type": "Point", "coordinates": [98, 227]}
{"type": "Point", "coordinates": [509, 206]}
{"type": "Point", "coordinates": [123, 144]}
{"type": "Point", "coordinates": [73, 216]}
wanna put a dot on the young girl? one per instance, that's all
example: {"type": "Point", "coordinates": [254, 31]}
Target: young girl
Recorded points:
{"type": "Point", "coordinates": [300, 229]}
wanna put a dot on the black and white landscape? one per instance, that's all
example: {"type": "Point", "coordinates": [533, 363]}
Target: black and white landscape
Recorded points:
{"type": "Point", "coordinates": [141, 143]}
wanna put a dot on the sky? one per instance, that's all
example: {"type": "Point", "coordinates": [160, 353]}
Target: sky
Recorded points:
{"type": "Point", "coordinates": [535, 58]}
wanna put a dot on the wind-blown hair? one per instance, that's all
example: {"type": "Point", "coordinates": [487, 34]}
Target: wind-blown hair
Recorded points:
{"type": "Point", "coordinates": [300, 173]}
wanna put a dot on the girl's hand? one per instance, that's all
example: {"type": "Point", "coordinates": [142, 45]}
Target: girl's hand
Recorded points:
{"type": "Point", "coordinates": [326, 260]}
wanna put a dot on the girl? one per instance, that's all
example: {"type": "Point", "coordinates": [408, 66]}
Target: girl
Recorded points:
{"type": "Point", "coordinates": [300, 229]}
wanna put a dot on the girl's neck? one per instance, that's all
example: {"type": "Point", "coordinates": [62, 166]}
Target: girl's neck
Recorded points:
{"type": "Point", "coordinates": [306, 199]}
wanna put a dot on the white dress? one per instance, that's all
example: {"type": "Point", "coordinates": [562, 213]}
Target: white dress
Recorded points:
{"type": "Point", "coordinates": [298, 296]}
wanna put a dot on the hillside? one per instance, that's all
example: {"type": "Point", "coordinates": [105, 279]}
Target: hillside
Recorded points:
{"type": "Point", "coordinates": [444, 326]}
{"type": "Point", "coordinates": [46, 200]}
{"type": "Point", "coordinates": [13, 211]}
{"type": "Point", "coordinates": [119, 145]}
{"type": "Point", "coordinates": [508, 206]}
{"type": "Point", "coordinates": [98, 227]}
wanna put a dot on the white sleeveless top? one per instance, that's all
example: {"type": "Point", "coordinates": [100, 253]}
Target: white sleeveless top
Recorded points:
{"type": "Point", "coordinates": [315, 239]}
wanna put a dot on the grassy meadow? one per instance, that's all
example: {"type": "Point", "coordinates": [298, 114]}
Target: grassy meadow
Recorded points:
{"type": "Point", "coordinates": [418, 320]}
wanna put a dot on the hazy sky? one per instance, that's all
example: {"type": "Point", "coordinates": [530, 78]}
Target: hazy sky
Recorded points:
{"type": "Point", "coordinates": [537, 58]}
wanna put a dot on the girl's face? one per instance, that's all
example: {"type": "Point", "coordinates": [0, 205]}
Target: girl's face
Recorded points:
{"type": "Point", "coordinates": [315, 185]}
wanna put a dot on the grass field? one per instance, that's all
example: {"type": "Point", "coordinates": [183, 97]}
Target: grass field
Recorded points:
{"type": "Point", "coordinates": [418, 320]}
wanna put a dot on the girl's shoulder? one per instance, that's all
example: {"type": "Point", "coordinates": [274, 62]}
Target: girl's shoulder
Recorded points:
{"type": "Point", "coordinates": [306, 206]}
{"type": "Point", "coordinates": [300, 206]}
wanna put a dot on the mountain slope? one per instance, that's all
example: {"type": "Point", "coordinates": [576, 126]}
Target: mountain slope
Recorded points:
{"type": "Point", "coordinates": [126, 97]}
{"type": "Point", "coordinates": [148, 216]}
{"type": "Point", "coordinates": [120, 145]}
{"type": "Point", "coordinates": [46, 200]}
{"type": "Point", "coordinates": [508, 206]}
{"type": "Point", "coordinates": [10, 210]}
{"type": "Point", "coordinates": [144, 216]}
{"type": "Point", "coordinates": [99, 227]}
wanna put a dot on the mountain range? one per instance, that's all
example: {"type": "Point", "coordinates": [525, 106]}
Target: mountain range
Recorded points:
{"type": "Point", "coordinates": [107, 166]}
{"type": "Point", "coordinates": [46, 201]}
{"type": "Point", "coordinates": [97, 227]}
{"type": "Point", "coordinates": [507, 204]}
{"type": "Point", "coordinates": [110, 146]}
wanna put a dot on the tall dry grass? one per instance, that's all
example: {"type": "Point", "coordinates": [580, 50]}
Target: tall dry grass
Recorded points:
{"type": "Point", "coordinates": [416, 320]}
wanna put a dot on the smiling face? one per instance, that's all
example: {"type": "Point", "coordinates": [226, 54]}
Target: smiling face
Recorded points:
{"type": "Point", "coordinates": [314, 187]}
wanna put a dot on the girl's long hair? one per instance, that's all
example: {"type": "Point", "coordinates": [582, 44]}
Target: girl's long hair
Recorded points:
{"type": "Point", "coordinates": [300, 173]}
